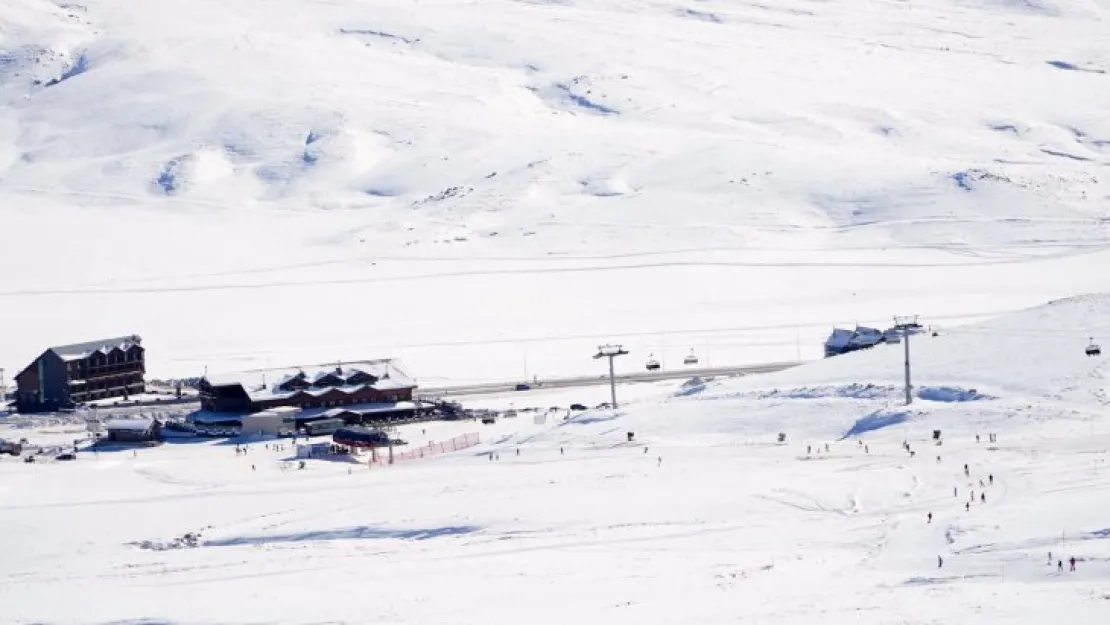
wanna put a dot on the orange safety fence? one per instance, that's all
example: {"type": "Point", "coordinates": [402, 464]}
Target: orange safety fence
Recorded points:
{"type": "Point", "coordinates": [427, 451]}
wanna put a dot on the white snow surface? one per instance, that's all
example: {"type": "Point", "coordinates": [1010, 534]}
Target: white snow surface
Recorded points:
{"type": "Point", "coordinates": [488, 190]}
{"type": "Point", "coordinates": [703, 518]}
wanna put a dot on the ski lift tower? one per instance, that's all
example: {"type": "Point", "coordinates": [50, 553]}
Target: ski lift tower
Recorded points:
{"type": "Point", "coordinates": [906, 323]}
{"type": "Point", "coordinates": [611, 352]}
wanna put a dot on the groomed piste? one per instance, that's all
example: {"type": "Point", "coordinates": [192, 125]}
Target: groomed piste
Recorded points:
{"type": "Point", "coordinates": [705, 516]}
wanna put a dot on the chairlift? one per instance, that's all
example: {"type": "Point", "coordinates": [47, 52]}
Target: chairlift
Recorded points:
{"type": "Point", "coordinates": [1093, 349]}
{"type": "Point", "coordinates": [652, 363]}
{"type": "Point", "coordinates": [690, 359]}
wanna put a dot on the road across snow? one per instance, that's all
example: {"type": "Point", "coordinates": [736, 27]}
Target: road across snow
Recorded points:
{"type": "Point", "coordinates": [703, 518]}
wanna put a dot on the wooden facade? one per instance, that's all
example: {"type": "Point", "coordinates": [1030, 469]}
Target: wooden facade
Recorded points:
{"type": "Point", "coordinates": [67, 375]}
{"type": "Point", "coordinates": [326, 388]}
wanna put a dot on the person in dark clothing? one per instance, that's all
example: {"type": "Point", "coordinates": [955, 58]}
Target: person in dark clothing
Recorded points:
{"type": "Point", "coordinates": [1060, 566]}
{"type": "Point", "coordinates": [1072, 562]}
{"type": "Point", "coordinates": [991, 479]}
{"type": "Point", "coordinates": [982, 498]}
{"type": "Point", "coordinates": [930, 517]}
{"type": "Point", "coordinates": [940, 562]}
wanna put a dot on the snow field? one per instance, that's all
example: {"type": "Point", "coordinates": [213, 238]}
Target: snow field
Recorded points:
{"type": "Point", "coordinates": [477, 184]}
{"type": "Point", "coordinates": [703, 517]}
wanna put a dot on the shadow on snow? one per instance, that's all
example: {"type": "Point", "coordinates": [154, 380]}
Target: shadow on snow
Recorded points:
{"type": "Point", "coordinates": [876, 421]}
{"type": "Point", "coordinates": [361, 532]}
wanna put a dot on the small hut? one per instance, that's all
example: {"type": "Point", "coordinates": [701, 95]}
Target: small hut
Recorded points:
{"type": "Point", "coordinates": [140, 430]}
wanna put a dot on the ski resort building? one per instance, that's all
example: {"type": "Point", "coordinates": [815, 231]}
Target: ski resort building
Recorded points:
{"type": "Point", "coordinates": [842, 341]}
{"type": "Point", "coordinates": [382, 387]}
{"type": "Point", "coordinates": [67, 375]}
{"type": "Point", "coordinates": [139, 430]}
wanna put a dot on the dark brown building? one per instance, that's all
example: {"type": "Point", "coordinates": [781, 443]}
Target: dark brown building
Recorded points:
{"type": "Point", "coordinates": [368, 382]}
{"type": "Point", "coordinates": [67, 375]}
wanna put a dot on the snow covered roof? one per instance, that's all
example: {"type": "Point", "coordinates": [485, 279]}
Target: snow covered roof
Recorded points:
{"type": "Point", "coordinates": [78, 351]}
{"type": "Point", "coordinates": [263, 384]}
{"type": "Point", "coordinates": [264, 416]}
{"type": "Point", "coordinates": [363, 409]}
{"type": "Point", "coordinates": [839, 337]}
{"type": "Point", "coordinates": [141, 424]}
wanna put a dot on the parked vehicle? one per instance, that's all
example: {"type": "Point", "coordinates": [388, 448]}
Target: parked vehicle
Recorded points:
{"type": "Point", "coordinates": [8, 447]}
{"type": "Point", "coordinates": [323, 426]}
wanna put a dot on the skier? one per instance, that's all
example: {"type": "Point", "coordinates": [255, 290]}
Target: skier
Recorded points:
{"type": "Point", "coordinates": [940, 562]}
{"type": "Point", "coordinates": [955, 491]}
{"type": "Point", "coordinates": [981, 483]}
{"type": "Point", "coordinates": [914, 453]}
{"type": "Point", "coordinates": [560, 451]}
{"type": "Point", "coordinates": [866, 449]}
{"type": "Point", "coordinates": [976, 438]}
{"type": "Point", "coordinates": [518, 451]}
{"type": "Point", "coordinates": [645, 451]}
{"type": "Point", "coordinates": [1050, 557]}
{"type": "Point", "coordinates": [808, 449]}
{"type": "Point", "coordinates": [252, 467]}
{"type": "Point", "coordinates": [991, 479]}
{"type": "Point", "coordinates": [966, 472]}
{"type": "Point", "coordinates": [1072, 562]}
{"type": "Point", "coordinates": [826, 448]}
{"type": "Point", "coordinates": [938, 459]}
{"type": "Point", "coordinates": [1060, 566]}
{"type": "Point", "coordinates": [930, 517]}
{"type": "Point", "coordinates": [660, 463]}
{"type": "Point", "coordinates": [491, 456]}
{"type": "Point", "coordinates": [967, 506]}
{"type": "Point", "coordinates": [982, 497]}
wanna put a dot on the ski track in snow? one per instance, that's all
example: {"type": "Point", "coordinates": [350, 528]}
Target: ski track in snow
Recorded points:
{"type": "Point", "coordinates": [704, 506]}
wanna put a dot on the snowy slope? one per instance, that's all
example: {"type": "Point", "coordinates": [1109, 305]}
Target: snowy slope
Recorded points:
{"type": "Point", "coordinates": [703, 518]}
{"type": "Point", "coordinates": [1036, 354]}
{"type": "Point", "coordinates": [524, 179]}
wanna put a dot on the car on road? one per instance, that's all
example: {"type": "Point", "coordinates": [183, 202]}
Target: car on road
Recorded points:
{"type": "Point", "coordinates": [523, 387]}
{"type": "Point", "coordinates": [577, 407]}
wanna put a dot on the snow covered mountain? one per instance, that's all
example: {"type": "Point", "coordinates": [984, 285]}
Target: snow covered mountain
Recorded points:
{"type": "Point", "coordinates": [265, 182]}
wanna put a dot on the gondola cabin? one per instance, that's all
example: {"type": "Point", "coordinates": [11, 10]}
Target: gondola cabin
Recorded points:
{"type": "Point", "coordinates": [1093, 349]}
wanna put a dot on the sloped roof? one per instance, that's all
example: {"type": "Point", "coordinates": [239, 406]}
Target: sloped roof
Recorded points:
{"type": "Point", "coordinates": [839, 337]}
{"type": "Point", "coordinates": [77, 351]}
{"type": "Point", "coordinates": [263, 384]}
{"type": "Point", "coordinates": [140, 424]}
